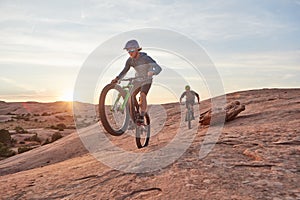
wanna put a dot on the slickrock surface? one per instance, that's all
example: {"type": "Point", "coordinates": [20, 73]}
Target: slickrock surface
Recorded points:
{"type": "Point", "coordinates": [257, 156]}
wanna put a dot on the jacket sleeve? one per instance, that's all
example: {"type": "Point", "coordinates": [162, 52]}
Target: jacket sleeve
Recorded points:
{"type": "Point", "coordinates": [125, 70]}
{"type": "Point", "coordinates": [197, 95]}
{"type": "Point", "coordinates": [182, 95]}
{"type": "Point", "coordinates": [155, 68]}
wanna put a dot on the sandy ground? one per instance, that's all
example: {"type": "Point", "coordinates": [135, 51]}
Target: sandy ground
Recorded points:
{"type": "Point", "coordinates": [256, 156]}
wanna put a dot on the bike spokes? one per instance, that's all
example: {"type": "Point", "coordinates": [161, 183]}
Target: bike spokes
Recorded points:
{"type": "Point", "coordinates": [143, 133]}
{"type": "Point", "coordinates": [115, 113]}
{"type": "Point", "coordinates": [113, 110]}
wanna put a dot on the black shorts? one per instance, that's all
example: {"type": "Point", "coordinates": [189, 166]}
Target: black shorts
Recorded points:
{"type": "Point", "coordinates": [142, 88]}
{"type": "Point", "coordinates": [187, 103]}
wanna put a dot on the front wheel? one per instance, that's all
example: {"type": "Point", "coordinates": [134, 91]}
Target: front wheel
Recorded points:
{"type": "Point", "coordinates": [113, 109]}
{"type": "Point", "coordinates": [143, 133]}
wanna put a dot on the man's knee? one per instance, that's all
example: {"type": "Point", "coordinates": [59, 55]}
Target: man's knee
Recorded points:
{"type": "Point", "coordinates": [143, 93]}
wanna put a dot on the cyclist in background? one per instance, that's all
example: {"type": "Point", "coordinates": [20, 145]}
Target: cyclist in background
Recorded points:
{"type": "Point", "coordinates": [144, 66]}
{"type": "Point", "coordinates": [189, 98]}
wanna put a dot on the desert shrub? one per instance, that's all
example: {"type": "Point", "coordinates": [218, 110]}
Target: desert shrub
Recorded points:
{"type": "Point", "coordinates": [59, 127]}
{"type": "Point", "coordinates": [5, 151]}
{"type": "Point", "coordinates": [33, 138]}
{"type": "Point", "coordinates": [13, 141]}
{"type": "Point", "coordinates": [45, 114]}
{"type": "Point", "coordinates": [60, 117]}
{"type": "Point", "coordinates": [24, 149]}
{"type": "Point", "coordinates": [47, 141]}
{"type": "Point", "coordinates": [53, 127]}
{"type": "Point", "coordinates": [20, 129]}
{"type": "Point", "coordinates": [56, 136]}
{"type": "Point", "coordinates": [5, 137]}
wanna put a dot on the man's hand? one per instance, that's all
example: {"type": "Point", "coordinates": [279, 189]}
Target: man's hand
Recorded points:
{"type": "Point", "coordinates": [150, 74]}
{"type": "Point", "coordinates": [114, 81]}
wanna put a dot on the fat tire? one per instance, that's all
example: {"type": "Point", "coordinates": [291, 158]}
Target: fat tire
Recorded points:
{"type": "Point", "coordinates": [138, 138]}
{"type": "Point", "coordinates": [189, 118]}
{"type": "Point", "coordinates": [102, 114]}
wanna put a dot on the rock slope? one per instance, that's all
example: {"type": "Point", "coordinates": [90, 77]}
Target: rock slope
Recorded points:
{"type": "Point", "coordinates": [257, 156]}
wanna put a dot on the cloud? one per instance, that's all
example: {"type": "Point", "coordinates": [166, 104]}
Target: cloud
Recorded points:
{"type": "Point", "coordinates": [275, 60]}
{"type": "Point", "coordinates": [12, 90]}
{"type": "Point", "coordinates": [11, 87]}
{"type": "Point", "coordinates": [240, 35]}
{"type": "Point", "coordinates": [288, 76]}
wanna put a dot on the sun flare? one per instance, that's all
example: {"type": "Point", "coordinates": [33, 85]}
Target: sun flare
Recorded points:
{"type": "Point", "coordinates": [67, 96]}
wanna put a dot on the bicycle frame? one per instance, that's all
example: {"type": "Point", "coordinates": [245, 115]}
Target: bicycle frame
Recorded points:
{"type": "Point", "coordinates": [127, 89]}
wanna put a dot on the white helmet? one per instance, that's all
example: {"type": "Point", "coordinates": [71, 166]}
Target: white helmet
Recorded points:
{"type": "Point", "coordinates": [132, 44]}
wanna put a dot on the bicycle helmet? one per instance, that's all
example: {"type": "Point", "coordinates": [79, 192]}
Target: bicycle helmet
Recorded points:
{"type": "Point", "coordinates": [187, 87]}
{"type": "Point", "coordinates": [132, 44]}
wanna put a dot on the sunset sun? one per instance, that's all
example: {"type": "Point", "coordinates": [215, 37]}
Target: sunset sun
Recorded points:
{"type": "Point", "coordinates": [67, 96]}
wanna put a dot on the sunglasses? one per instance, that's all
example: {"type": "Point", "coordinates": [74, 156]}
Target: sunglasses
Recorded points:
{"type": "Point", "coordinates": [131, 50]}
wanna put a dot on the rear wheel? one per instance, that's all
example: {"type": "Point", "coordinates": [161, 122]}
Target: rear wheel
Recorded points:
{"type": "Point", "coordinates": [143, 133]}
{"type": "Point", "coordinates": [113, 116]}
{"type": "Point", "coordinates": [189, 118]}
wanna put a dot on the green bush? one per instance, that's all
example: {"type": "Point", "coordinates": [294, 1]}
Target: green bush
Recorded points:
{"type": "Point", "coordinates": [56, 136]}
{"type": "Point", "coordinates": [20, 129]}
{"type": "Point", "coordinates": [46, 142]}
{"type": "Point", "coordinates": [5, 137]}
{"type": "Point", "coordinates": [5, 151]}
{"type": "Point", "coordinates": [24, 149]}
{"type": "Point", "coordinates": [59, 127]}
{"type": "Point", "coordinates": [33, 138]}
{"type": "Point", "coordinates": [46, 114]}
{"type": "Point", "coordinates": [36, 138]}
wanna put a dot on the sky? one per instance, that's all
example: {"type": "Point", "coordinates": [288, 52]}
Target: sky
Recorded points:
{"type": "Point", "coordinates": [253, 44]}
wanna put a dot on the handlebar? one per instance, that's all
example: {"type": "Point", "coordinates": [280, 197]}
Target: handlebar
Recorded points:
{"type": "Point", "coordinates": [140, 78]}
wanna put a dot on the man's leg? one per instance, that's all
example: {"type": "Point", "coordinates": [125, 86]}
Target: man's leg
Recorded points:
{"type": "Point", "coordinates": [133, 96]}
{"type": "Point", "coordinates": [186, 111]}
{"type": "Point", "coordinates": [191, 105]}
{"type": "Point", "coordinates": [192, 108]}
{"type": "Point", "coordinates": [144, 91]}
{"type": "Point", "coordinates": [143, 102]}
{"type": "Point", "coordinates": [133, 100]}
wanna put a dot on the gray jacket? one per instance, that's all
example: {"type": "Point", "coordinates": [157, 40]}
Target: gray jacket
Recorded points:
{"type": "Point", "coordinates": [142, 65]}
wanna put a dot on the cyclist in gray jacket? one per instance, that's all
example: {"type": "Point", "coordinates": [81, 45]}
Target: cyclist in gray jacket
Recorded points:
{"type": "Point", "coordinates": [190, 96]}
{"type": "Point", "coordinates": [144, 66]}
